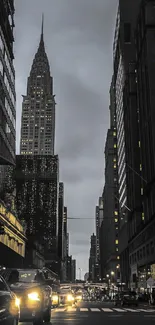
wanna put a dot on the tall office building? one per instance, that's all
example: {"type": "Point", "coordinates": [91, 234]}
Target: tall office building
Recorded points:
{"type": "Point", "coordinates": [61, 221]}
{"type": "Point", "coordinates": [37, 180]}
{"type": "Point", "coordinates": [92, 258]}
{"type": "Point", "coordinates": [142, 226]}
{"type": "Point", "coordinates": [73, 271]}
{"type": "Point", "coordinates": [7, 84]}
{"type": "Point", "coordinates": [98, 221]}
{"type": "Point", "coordinates": [38, 109]}
{"type": "Point", "coordinates": [123, 54]}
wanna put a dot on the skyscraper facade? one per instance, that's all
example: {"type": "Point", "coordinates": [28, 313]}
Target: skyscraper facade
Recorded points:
{"type": "Point", "coordinates": [37, 179]}
{"type": "Point", "coordinates": [92, 258]}
{"type": "Point", "coordinates": [61, 221]}
{"type": "Point", "coordinates": [7, 84]}
{"type": "Point", "coordinates": [123, 54]}
{"type": "Point", "coordinates": [38, 109]}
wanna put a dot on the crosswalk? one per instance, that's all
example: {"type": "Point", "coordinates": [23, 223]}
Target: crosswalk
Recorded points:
{"type": "Point", "coordinates": [105, 310]}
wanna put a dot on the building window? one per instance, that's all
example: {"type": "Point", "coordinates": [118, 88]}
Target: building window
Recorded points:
{"type": "Point", "coordinates": [114, 134]}
{"type": "Point", "coordinates": [115, 145]}
{"type": "Point", "coordinates": [116, 241]}
{"type": "Point", "coordinates": [143, 216]}
{"type": "Point", "coordinates": [116, 213]}
{"type": "Point", "coordinates": [140, 167]}
{"type": "Point", "coordinates": [127, 33]}
{"type": "Point", "coordinates": [114, 166]}
{"type": "Point", "coordinates": [116, 220]}
{"type": "Point", "coordinates": [114, 160]}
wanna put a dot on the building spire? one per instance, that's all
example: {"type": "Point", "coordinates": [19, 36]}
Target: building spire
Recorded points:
{"type": "Point", "coordinates": [42, 27]}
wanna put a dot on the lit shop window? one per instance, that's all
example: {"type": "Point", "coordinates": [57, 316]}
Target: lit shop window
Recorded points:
{"type": "Point", "coordinates": [140, 167]}
{"type": "Point", "coordinates": [116, 213]}
{"type": "Point", "coordinates": [116, 241]}
{"type": "Point", "coordinates": [115, 145]}
{"type": "Point", "coordinates": [143, 216]}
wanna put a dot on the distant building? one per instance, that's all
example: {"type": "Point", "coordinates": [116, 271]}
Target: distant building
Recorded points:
{"type": "Point", "coordinates": [92, 258]}
{"type": "Point", "coordinates": [86, 276]}
{"type": "Point", "coordinates": [61, 221]}
{"type": "Point", "coordinates": [38, 109]}
{"type": "Point", "coordinates": [73, 270]}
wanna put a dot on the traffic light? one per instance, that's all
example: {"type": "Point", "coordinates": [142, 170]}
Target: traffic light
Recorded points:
{"type": "Point", "coordinates": [2, 230]}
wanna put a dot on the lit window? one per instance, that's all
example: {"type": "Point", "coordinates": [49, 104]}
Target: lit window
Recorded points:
{"type": "Point", "coordinates": [143, 216]}
{"type": "Point", "coordinates": [115, 146]}
{"type": "Point", "coordinates": [116, 241]}
{"type": "Point", "coordinates": [114, 160]}
{"type": "Point", "coordinates": [116, 213]}
{"type": "Point", "coordinates": [118, 257]}
{"type": "Point", "coordinates": [114, 166]}
{"type": "Point", "coordinates": [114, 134]}
{"type": "Point", "coordinates": [116, 220]}
{"type": "Point", "coordinates": [140, 167]}
{"type": "Point", "coordinates": [139, 144]}
{"type": "Point", "coordinates": [116, 249]}
{"type": "Point", "coordinates": [141, 191]}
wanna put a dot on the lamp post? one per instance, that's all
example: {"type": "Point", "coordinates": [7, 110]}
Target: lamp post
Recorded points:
{"type": "Point", "coordinates": [107, 276]}
{"type": "Point", "coordinates": [112, 276]}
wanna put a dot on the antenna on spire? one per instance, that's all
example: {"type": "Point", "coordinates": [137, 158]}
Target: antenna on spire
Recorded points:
{"type": "Point", "coordinates": [42, 25]}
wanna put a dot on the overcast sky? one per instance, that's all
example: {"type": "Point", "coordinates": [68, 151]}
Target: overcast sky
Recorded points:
{"type": "Point", "coordinates": [78, 37]}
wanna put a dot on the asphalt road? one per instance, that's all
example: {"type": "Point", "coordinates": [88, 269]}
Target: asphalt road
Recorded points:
{"type": "Point", "coordinates": [97, 313]}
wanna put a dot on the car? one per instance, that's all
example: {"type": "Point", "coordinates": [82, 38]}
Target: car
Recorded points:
{"type": "Point", "coordinates": [66, 296]}
{"type": "Point", "coordinates": [126, 298]}
{"type": "Point", "coordinates": [9, 305]}
{"type": "Point", "coordinates": [33, 292]}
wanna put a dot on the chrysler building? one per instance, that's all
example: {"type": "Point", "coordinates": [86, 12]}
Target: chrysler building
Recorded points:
{"type": "Point", "coordinates": [38, 108]}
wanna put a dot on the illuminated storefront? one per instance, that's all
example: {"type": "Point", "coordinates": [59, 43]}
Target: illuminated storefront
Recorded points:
{"type": "Point", "coordinates": [12, 238]}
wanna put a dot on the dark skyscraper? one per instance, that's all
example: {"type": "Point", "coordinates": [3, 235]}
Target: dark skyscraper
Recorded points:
{"type": "Point", "coordinates": [37, 179]}
{"type": "Point", "coordinates": [92, 258]}
{"type": "Point", "coordinates": [123, 54]}
{"type": "Point", "coordinates": [61, 221]}
{"type": "Point", "coordinates": [38, 110]}
{"type": "Point", "coordinates": [7, 84]}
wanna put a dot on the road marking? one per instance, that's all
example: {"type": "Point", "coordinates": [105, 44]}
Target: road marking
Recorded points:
{"type": "Point", "coordinates": [107, 310]}
{"type": "Point", "coordinates": [149, 310]}
{"type": "Point", "coordinates": [83, 309]}
{"type": "Point", "coordinates": [132, 310]}
{"type": "Point", "coordinates": [119, 310]}
{"type": "Point", "coordinates": [95, 309]}
{"type": "Point", "coordinates": [60, 309]}
{"type": "Point", "coordinates": [71, 309]}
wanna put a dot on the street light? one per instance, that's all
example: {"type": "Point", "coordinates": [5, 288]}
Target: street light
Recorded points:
{"type": "Point", "coordinates": [112, 273]}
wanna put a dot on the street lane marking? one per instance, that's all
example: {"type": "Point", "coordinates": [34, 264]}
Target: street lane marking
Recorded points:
{"type": "Point", "coordinates": [132, 310]}
{"type": "Point", "coordinates": [119, 310]}
{"type": "Point", "coordinates": [149, 310]}
{"type": "Point", "coordinates": [95, 309]}
{"type": "Point", "coordinates": [71, 309]}
{"type": "Point", "coordinates": [107, 310]}
{"type": "Point", "coordinates": [60, 309]}
{"type": "Point", "coordinates": [83, 309]}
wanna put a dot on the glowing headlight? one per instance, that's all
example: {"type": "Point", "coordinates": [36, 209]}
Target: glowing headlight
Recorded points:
{"type": "Point", "coordinates": [79, 297]}
{"type": "Point", "coordinates": [17, 302]}
{"type": "Point", "coordinates": [34, 296]}
{"type": "Point", "coordinates": [70, 298]}
{"type": "Point", "coordinates": [55, 298]}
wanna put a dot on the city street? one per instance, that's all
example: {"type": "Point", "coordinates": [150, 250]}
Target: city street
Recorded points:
{"type": "Point", "coordinates": [90, 313]}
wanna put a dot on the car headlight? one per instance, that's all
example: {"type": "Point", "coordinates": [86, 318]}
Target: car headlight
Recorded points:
{"type": "Point", "coordinates": [70, 298]}
{"type": "Point", "coordinates": [79, 297]}
{"type": "Point", "coordinates": [17, 302]}
{"type": "Point", "coordinates": [55, 298]}
{"type": "Point", "coordinates": [34, 296]}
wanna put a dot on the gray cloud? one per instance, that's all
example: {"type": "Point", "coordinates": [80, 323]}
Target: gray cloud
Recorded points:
{"type": "Point", "coordinates": [78, 37]}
